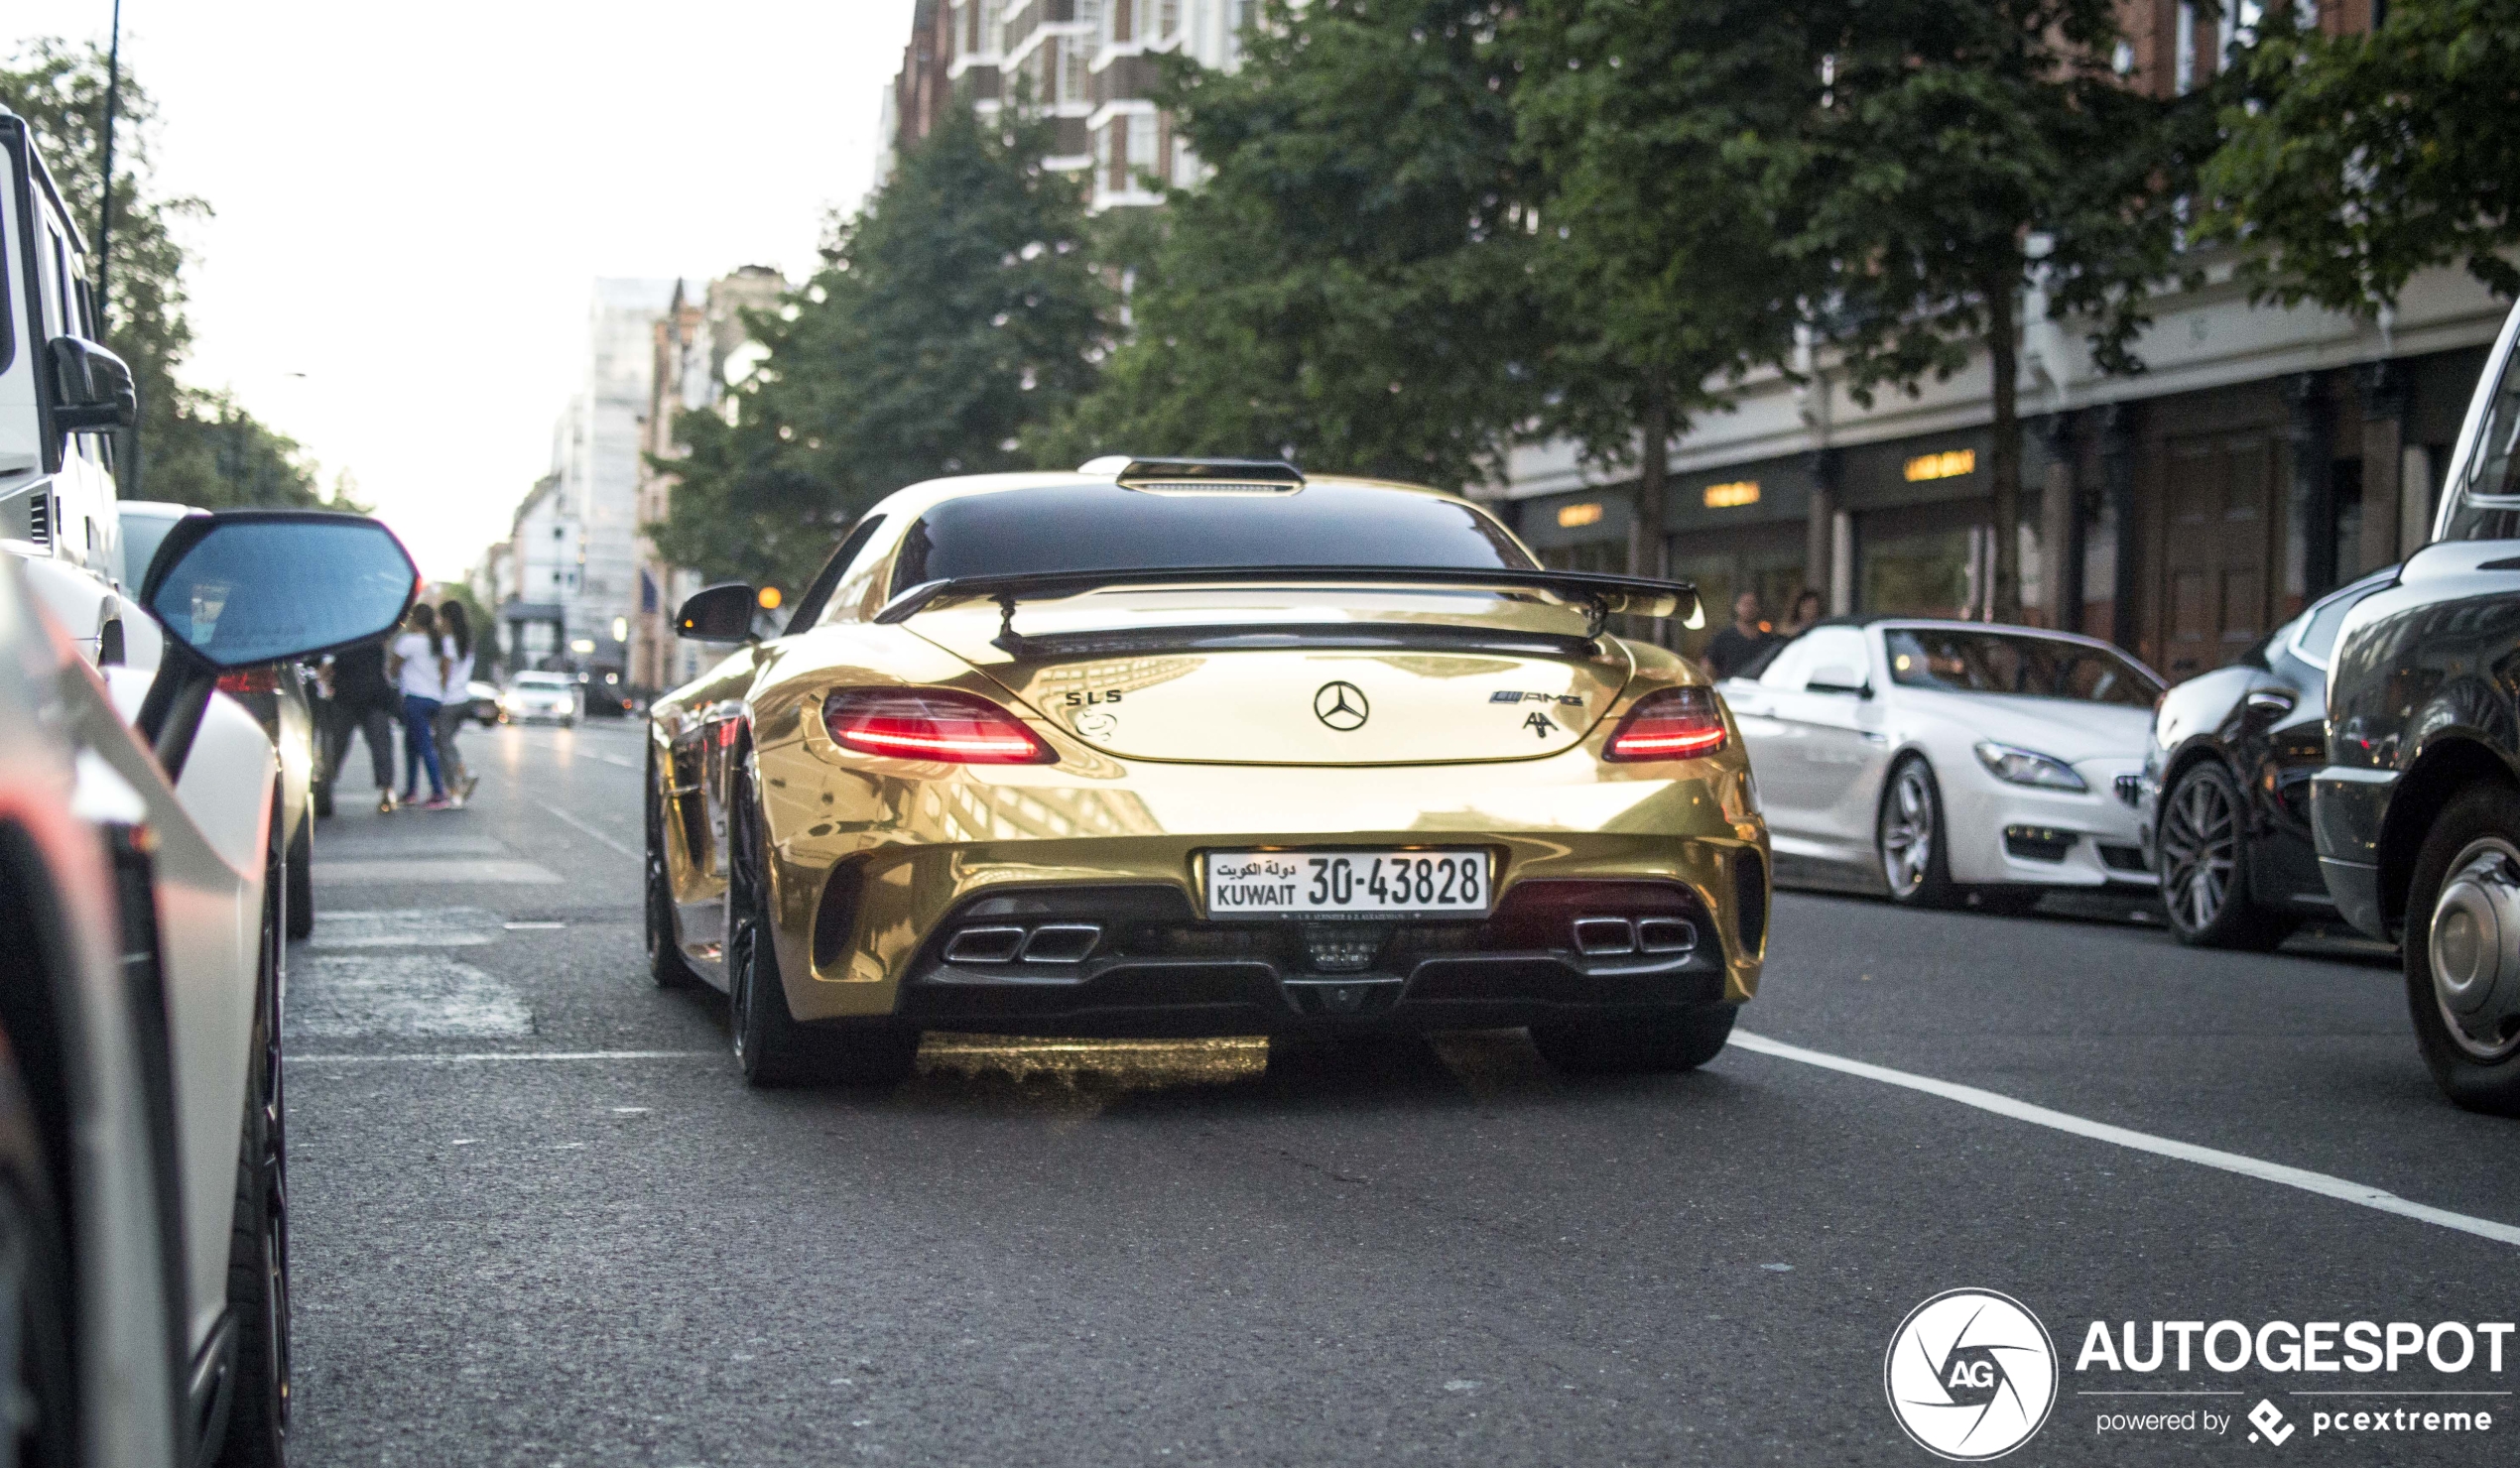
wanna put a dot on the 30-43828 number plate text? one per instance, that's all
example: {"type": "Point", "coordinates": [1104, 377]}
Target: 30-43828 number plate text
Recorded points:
{"type": "Point", "coordinates": [1346, 884]}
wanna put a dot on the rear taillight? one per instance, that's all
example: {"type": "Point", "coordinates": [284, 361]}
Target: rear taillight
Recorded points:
{"type": "Point", "coordinates": [1674, 724]}
{"type": "Point", "coordinates": [250, 681]}
{"type": "Point", "coordinates": [931, 724]}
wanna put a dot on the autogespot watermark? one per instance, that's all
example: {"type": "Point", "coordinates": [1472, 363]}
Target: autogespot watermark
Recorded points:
{"type": "Point", "coordinates": [1972, 1375]}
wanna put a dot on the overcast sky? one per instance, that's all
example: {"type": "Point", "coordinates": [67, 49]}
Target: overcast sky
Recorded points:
{"type": "Point", "coordinates": [412, 203]}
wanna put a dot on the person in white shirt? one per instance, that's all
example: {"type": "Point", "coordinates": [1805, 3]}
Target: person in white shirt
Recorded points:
{"type": "Point", "coordinates": [457, 624]}
{"type": "Point", "coordinates": [417, 662]}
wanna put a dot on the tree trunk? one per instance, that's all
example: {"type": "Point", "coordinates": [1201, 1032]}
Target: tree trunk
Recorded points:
{"type": "Point", "coordinates": [1648, 553]}
{"type": "Point", "coordinates": [2004, 466]}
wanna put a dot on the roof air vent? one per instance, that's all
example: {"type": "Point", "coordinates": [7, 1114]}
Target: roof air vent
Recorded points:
{"type": "Point", "coordinates": [1209, 477]}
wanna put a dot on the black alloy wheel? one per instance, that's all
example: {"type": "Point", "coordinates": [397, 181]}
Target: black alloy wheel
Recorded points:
{"type": "Point", "coordinates": [1908, 837]}
{"type": "Point", "coordinates": [2205, 870]}
{"type": "Point", "coordinates": [2463, 969]}
{"type": "Point", "coordinates": [1662, 1043]}
{"type": "Point", "coordinates": [666, 964]}
{"type": "Point", "coordinates": [39, 1421]}
{"type": "Point", "coordinates": [257, 1428]}
{"type": "Point", "coordinates": [772, 1046]}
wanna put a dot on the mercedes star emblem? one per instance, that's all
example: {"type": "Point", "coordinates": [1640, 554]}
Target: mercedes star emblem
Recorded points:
{"type": "Point", "coordinates": [1343, 706]}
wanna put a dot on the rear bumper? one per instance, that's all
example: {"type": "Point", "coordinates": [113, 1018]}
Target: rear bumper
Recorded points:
{"type": "Point", "coordinates": [1185, 1001]}
{"type": "Point", "coordinates": [1156, 968]}
{"type": "Point", "coordinates": [872, 937]}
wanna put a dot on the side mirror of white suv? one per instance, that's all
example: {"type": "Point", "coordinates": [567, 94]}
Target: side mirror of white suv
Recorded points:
{"type": "Point", "coordinates": [95, 388]}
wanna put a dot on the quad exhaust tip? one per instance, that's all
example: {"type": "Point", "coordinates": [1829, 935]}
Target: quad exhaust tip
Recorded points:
{"type": "Point", "coordinates": [1051, 942]}
{"type": "Point", "coordinates": [1612, 938]}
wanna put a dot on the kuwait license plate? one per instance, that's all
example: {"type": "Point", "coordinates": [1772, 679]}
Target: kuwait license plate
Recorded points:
{"type": "Point", "coordinates": [1353, 883]}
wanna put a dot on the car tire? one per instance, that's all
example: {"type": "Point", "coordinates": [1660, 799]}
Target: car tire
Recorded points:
{"type": "Point", "coordinates": [2202, 837]}
{"type": "Point", "coordinates": [300, 866]}
{"type": "Point", "coordinates": [772, 1046]}
{"type": "Point", "coordinates": [665, 963]}
{"type": "Point", "coordinates": [1908, 837]}
{"type": "Point", "coordinates": [1662, 1043]}
{"type": "Point", "coordinates": [38, 1370]}
{"type": "Point", "coordinates": [257, 1430]}
{"type": "Point", "coordinates": [2477, 832]}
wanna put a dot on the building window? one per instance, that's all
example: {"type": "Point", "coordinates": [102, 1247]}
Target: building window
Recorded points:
{"type": "Point", "coordinates": [1168, 19]}
{"type": "Point", "coordinates": [1123, 22]}
{"type": "Point", "coordinates": [2186, 44]}
{"type": "Point", "coordinates": [1073, 82]}
{"type": "Point", "coordinates": [1141, 136]}
{"type": "Point", "coordinates": [1235, 14]}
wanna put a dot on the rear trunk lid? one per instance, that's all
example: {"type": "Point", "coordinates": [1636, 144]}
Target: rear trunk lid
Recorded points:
{"type": "Point", "coordinates": [1277, 675]}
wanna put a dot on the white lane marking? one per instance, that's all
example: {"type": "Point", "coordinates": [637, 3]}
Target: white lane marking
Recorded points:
{"type": "Point", "coordinates": [442, 1059]}
{"type": "Point", "coordinates": [405, 843]}
{"type": "Point", "coordinates": [405, 928]}
{"type": "Point", "coordinates": [400, 994]}
{"type": "Point", "coordinates": [397, 872]}
{"type": "Point", "coordinates": [2339, 1188]}
{"type": "Point", "coordinates": [582, 825]}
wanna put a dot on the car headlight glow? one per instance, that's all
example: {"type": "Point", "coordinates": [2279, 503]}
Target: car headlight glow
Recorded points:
{"type": "Point", "coordinates": [2027, 767]}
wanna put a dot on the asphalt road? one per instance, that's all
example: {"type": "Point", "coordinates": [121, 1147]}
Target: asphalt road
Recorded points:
{"type": "Point", "coordinates": [540, 1221]}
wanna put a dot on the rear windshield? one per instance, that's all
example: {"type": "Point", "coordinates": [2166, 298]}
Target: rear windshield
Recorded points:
{"type": "Point", "coordinates": [543, 680]}
{"type": "Point", "coordinates": [1103, 527]}
{"type": "Point", "coordinates": [1962, 662]}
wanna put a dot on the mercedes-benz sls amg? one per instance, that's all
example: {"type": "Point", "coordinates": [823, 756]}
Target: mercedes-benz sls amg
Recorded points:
{"type": "Point", "coordinates": [1199, 748]}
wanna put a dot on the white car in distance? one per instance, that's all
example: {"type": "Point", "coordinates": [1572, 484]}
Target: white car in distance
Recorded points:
{"type": "Point", "coordinates": [535, 696]}
{"type": "Point", "coordinates": [1948, 762]}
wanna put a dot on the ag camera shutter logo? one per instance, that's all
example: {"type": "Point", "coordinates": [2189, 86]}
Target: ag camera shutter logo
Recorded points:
{"type": "Point", "coordinates": [1970, 1374]}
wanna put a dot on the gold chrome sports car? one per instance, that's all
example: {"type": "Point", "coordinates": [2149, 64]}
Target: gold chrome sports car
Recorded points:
{"type": "Point", "coordinates": [1199, 748]}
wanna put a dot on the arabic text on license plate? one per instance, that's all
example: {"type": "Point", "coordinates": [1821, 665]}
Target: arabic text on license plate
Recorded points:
{"type": "Point", "coordinates": [1281, 884]}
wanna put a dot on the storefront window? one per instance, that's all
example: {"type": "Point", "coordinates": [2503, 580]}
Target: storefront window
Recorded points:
{"type": "Point", "coordinates": [1925, 573]}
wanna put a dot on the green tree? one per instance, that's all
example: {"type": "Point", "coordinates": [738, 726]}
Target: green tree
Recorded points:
{"type": "Point", "coordinates": [1349, 287]}
{"type": "Point", "coordinates": [194, 447]}
{"type": "Point", "coordinates": [2348, 163]}
{"type": "Point", "coordinates": [954, 311]}
{"type": "Point", "coordinates": [1968, 149]}
{"type": "Point", "coordinates": [1666, 132]}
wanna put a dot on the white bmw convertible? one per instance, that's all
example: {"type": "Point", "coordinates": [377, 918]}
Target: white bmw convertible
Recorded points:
{"type": "Point", "coordinates": [1949, 762]}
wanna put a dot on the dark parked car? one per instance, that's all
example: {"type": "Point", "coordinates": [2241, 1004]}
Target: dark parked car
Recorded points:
{"type": "Point", "coordinates": [2223, 803]}
{"type": "Point", "coordinates": [2418, 811]}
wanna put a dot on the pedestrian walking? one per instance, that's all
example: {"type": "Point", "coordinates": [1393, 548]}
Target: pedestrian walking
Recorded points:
{"type": "Point", "coordinates": [457, 624]}
{"type": "Point", "coordinates": [1806, 612]}
{"type": "Point", "coordinates": [417, 660]}
{"type": "Point", "coordinates": [1737, 648]}
{"type": "Point", "coordinates": [364, 703]}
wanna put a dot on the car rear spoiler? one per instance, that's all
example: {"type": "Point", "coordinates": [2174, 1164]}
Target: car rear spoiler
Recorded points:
{"type": "Point", "coordinates": [1604, 596]}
